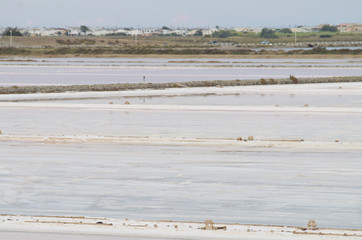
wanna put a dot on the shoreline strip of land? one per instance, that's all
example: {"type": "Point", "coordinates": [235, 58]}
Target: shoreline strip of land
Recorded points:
{"type": "Point", "coordinates": [168, 229]}
{"type": "Point", "coordinates": [191, 84]}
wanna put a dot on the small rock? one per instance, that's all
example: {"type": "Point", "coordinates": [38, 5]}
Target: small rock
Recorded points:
{"type": "Point", "coordinates": [312, 224]}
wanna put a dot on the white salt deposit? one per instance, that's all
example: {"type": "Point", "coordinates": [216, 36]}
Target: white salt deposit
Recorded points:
{"type": "Point", "coordinates": [166, 229]}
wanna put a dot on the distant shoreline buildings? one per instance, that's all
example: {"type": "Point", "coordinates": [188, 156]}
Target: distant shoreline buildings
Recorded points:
{"type": "Point", "coordinates": [165, 31]}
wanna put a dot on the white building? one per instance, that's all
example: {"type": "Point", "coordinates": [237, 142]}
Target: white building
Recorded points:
{"type": "Point", "coordinates": [101, 32]}
{"type": "Point", "coordinates": [301, 29]}
{"type": "Point", "coordinates": [121, 31]}
{"type": "Point", "coordinates": [208, 31]}
{"type": "Point", "coordinates": [350, 27]}
{"type": "Point", "coordinates": [51, 32]}
{"type": "Point", "coordinates": [134, 32]}
{"type": "Point", "coordinates": [165, 31]}
{"type": "Point", "coordinates": [73, 31]}
{"type": "Point", "coordinates": [247, 29]}
{"type": "Point", "coordinates": [243, 29]}
{"type": "Point", "coordinates": [149, 31]}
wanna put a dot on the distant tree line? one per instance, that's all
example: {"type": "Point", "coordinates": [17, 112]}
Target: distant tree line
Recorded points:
{"type": "Point", "coordinates": [329, 28]}
{"type": "Point", "coordinates": [285, 30]}
{"type": "Point", "coordinates": [198, 33]}
{"type": "Point", "coordinates": [268, 33]}
{"type": "Point", "coordinates": [11, 31]}
{"type": "Point", "coordinates": [84, 29]}
{"type": "Point", "coordinates": [221, 34]}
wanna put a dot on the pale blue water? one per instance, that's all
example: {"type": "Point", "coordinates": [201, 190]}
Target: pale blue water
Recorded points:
{"type": "Point", "coordinates": [269, 125]}
{"type": "Point", "coordinates": [226, 184]}
{"type": "Point", "coordinates": [102, 71]}
{"type": "Point", "coordinates": [244, 99]}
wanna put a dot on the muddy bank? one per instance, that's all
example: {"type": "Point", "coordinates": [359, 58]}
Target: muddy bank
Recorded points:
{"type": "Point", "coordinates": [134, 86]}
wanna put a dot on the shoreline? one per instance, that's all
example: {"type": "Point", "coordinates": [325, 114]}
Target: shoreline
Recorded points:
{"type": "Point", "coordinates": [191, 56]}
{"type": "Point", "coordinates": [257, 145]}
{"type": "Point", "coordinates": [154, 86]}
{"type": "Point", "coordinates": [167, 228]}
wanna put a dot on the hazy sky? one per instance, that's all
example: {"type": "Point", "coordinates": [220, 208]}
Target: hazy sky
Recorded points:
{"type": "Point", "coordinates": [180, 13]}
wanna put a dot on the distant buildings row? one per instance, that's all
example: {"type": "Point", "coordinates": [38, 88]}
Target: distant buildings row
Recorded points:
{"type": "Point", "coordinates": [76, 31]}
{"type": "Point", "coordinates": [350, 27]}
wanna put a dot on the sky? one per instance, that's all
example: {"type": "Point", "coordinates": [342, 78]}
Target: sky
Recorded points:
{"type": "Point", "coordinates": [180, 13]}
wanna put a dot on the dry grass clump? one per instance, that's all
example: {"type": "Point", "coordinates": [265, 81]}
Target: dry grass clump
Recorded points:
{"type": "Point", "coordinates": [312, 224]}
{"type": "Point", "coordinates": [126, 102]}
{"type": "Point", "coordinates": [209, 225]}
{"type": "Point", "coordinates": [134, 86]}
{"type": "Point", "coordinates": [294, 79]}
{"type": "Point", "coordinates": [262, 81]}
{"type": "Point", "coordinates": [306, 105]}
{"type": "Point", "coordinates": [251, 138]}
{"type": "Point", "coordinates": [76, 41]}
{"type": "Point", "coordinates": [239, 139]}
{"type": "Point", "coordinates": [272, 81]}
{"type": "Point", "coordinates": [110, 102]}
{"type": "Point", "coordinates": [1, 132]}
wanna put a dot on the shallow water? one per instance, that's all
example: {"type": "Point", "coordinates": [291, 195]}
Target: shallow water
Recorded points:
{"type": "Point", "coordinates": [273, 125]}
{"type": "Point", "coordinates": [102, 71]}
{"type": "Point", "coordinates": [225, 184]}
{"type": "Point", "coordinates": [171, 61]}
{"type": "Point", "coordinates": [243, 99]}
{"type": "Point", "coordinates": [10, 76]}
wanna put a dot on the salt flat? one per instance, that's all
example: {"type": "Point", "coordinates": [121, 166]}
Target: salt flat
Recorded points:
{"type": "Point", "coordinates": [174, 154]}
{"type": "Point", "coordinates": [56, 159]}
{"type": "Point", "coordinates": [227, 184]}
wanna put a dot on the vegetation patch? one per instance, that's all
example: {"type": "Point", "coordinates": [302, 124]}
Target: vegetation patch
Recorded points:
{"type": "Point", "coordinates": [134, 86]}
{"type": "Point", "coordinates": [13, 51]}
{"type": "Point", "coordinates": [86, 41]}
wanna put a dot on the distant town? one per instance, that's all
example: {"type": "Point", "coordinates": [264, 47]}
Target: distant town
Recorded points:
{"type": "Point", "coordinates": [167, 31]}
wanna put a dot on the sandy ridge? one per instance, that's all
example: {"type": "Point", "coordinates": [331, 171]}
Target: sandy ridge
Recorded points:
{"type": "Point", "coordinates": [169, 229]}
{"type": "Point", "coordinates": [259, 144]}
